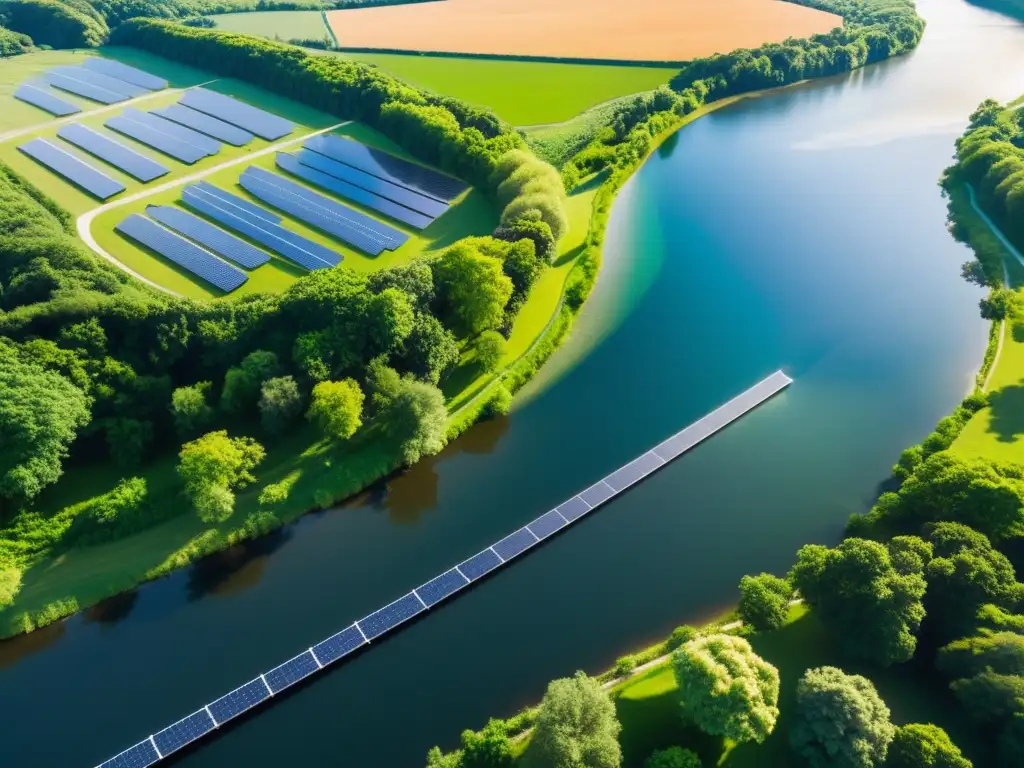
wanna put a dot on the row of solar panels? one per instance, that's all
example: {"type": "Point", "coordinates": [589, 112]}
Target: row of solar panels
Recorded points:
{"type": "Point", "coordinates": [427, 595]}
{"type": "Point", "coordinates": [102, 80]}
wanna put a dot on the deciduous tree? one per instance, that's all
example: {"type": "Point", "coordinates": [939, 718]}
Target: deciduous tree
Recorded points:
{"type": "Point", "coordinates": [337, 406]}
{"type": "Point", "coordinates": [673, 757]}
{"type": "Point", "coordinates": [764, 601]}
{"type": "Point", "coordinates": [474, 288]}
{"type": "Point", "coordinates": [576, 727]}
{"type": "Point", "coordinates": [415, 413]}
{"type": "Point", "coordinates": [280, 404]}
{"type": "Point", "coordinates": [924, 746]}
{"type": "Point", "coordinates": [490, 348]}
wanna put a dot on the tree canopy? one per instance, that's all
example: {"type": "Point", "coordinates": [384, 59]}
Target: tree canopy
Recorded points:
{"type": "Point", "coordinates": [764, 601]}
{"type": "Point", "coordinates": [924, 746]}
{"type": "Point", "coordinates": [337, 406]}
{"type": "Point", "coordinates": [214, 464]}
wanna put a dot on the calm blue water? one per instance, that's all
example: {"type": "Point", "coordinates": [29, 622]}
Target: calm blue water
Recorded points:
{"type": "Point", "coordinates": [800, 230]}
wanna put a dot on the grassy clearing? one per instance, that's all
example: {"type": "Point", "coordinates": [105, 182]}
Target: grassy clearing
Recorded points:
{"type": "Point", "coordinates": [283, 25]}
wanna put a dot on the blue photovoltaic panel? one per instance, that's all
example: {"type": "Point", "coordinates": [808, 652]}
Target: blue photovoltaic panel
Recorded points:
{"type": "Point", "coordinates": [183, 732]}
{"type": "Point", "coordinates": [387, 235]}
{"type": "Point", "coordinates": [94, 92]}
{"type": "Point", "coordinates": [238, 701]}
{"type": "Point", "coordinates": [341, 644]}
{"type": "Point", "coordinates": [263, 124]}
{"type": "Point", "coordinates": [437, 589]}
{"type": "Point", "coordinates": [291, 672]}
{"type": "Point", "coordinates": [407, 197]}
{"type": "Point", "coordinates": [390, 616]}
{"type": "Point", "coordinates": [41, 97]}
{"type": "Point", "coordinates": [239, 202]}
{"type": "Point", "coordinates": [573, 508]}
{"type": "Point", "coordinates": [271, 235]}
{"type": "Point", "coordinates": [124, 72]}
{"type": "Point", "coordinates": [204, 233]}
{"type": "Point", "coordinates": [180, 132]}
{"type": "Point", "coordinates": [388, 167]}
{"type": "Point", "coordinates": [515, 543]}
{"type": "Point", "coordinates": [354, 193]}
{"type": "Point", "coordinates": [636, 470]}
{"type": "Point", "coordinates": [179, 150]}
{"type": "Point", "coordinates": [211, 126]}
{"type": "Point", "coordinates": [101, 81]}
{"type": "Point", "coordinates": [479, 564]}
{"type": "Point", "coordinates": [79, 172]}
{"type": "Point", "coordinates": [114, 152]}
{"type": "Point", "coordinates": [185, 254]}
{"type": "Point", "coordinates": [598, 492]}
{"type": "Point", "coordinates": [140, 756]}
{"type": "Point", "coordinates": [547, 524]}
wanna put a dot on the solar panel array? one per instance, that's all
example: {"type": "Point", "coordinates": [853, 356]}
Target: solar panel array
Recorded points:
{"type": "Point", "coordinates": [105, 82]}
{"type": "Point", "coordinates": [352, 192]}
{"type": "Point", "coordinates": [182, 252]}
{"type": "Point", "coordinates": [211, 126]}
{"type": "Point", "coordinates": [239, 202]}
{"type": "Point", "coordinates": [39, 95]}
{"type": "Point", "coordinates": [213, 238]}
{"type": "Point", "coordinates": [388, 167]}
{"type": "Point", "coordinates": [114, 152]}
{"type": "Point", "coordinates": [81, 88]}
{"type": "Point", "coordinates": [181, 133]}
{"type": "Point", "coordinates": [169, 145]}
{"type": "Point", "coordinates": [257, 121]}
{"type": "Point", "coordinates": [75, 170]}
{"type": "Point", "coordinates": [124, 72]}
{"type": "Point", "coordinates": [450, 582]}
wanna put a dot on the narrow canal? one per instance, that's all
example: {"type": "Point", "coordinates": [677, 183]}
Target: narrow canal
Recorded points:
{"type": "Point", "coordinates": [800, 230]}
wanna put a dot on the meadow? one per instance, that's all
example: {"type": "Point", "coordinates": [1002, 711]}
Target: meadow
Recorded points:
{"type": "Point", "coordinates": [285, 25]}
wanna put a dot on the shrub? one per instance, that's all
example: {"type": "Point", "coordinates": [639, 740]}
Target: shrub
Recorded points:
{"type": "Point", "coordinates": [680, 636]}
{"type": "Point", "coordinates": [123, 511]}
{"type": "Point", "coordinates": [190, 410]}
{"type": "Point", "coordinates": [10, 583]}
{"type": "Point", "coordinates": [499, 404]}
{"type": "Point", "coordinates": [673, 757]}
{"type": "Point", "coordinates": [764, 601]}
{"type": "Point", "coordinates": [280, 404]}
{"type": "Point", "coordinates": [272, 494]}
{"type": "Point", "coordinates": [490, 349]}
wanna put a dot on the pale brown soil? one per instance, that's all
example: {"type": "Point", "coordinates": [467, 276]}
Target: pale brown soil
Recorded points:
{"type": "Point", "coordinates": [652, 30]}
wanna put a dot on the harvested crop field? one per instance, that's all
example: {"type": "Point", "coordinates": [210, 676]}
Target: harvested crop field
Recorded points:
{"type": "Point", "coordinates": [642, 30]}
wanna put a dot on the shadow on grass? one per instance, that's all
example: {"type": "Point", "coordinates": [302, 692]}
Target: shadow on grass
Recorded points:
{"type": "Point", "coordinates": [591, 183]}
{"type": "Point", "coordinates": [1007, 413]}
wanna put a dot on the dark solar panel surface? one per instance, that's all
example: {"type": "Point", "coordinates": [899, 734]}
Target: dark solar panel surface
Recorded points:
{"type": "Point", "coordinates": [479, 564]}
{"type": "Point", "coordinates": [124, 72]}
{"type": "Point", "coordinates": [238, 701]}
{"type": "Point", "coordinates": [257, 121]}
{"type": "Point", "coordinates": [215, 239]}
{"type": "Point", "coordinates": [597, 493]}
{"type": "Point", "coordinates": [211, 126]}
{"type": "Point", "coordinates": [633, 472]}
{"type": "Point", "coordinates": [291, 672]}
{"type": "Point", "coordinates": [440, 587]}
{"type": "Point", "coordinates": [388, 167]}
{"type": "Point", "coordinates": [239, 202]}
{"type": "Point", "coordinates": [336, 646]}
{"type": "Point", "coordinates": [140, 756]}
{"type": "Point", "coordinates": [354, 193]}
{"type": "Point", "coordinates": [114, 152]}
{"type": "Point", "coordinates": [169, 145]}
{"type": "Point", "coordinates": [547, 524]}
{"type": "Point", "coordinates": [390, 616]}
{"type": "Point", "coordinates": [89, 91]}
{"type": "Point", "coordinates": [185, 254]}
{"type": "Point", "coordinates": [515, 543]}
{"type": "Point", "coordinates": [105, 82]}
{"type": "Point", "coordinates": [42, 98]}
{"type": "Point", "coordinates": [183, 732]}
{"type": "Point", "coordinates": [93, 181]}
{"type": "Point", "coordinates": [574, 508]}
{"type": "Point", "coordinates": [180, 132]}
{"type": "Point", "coordinates": [407, 197]}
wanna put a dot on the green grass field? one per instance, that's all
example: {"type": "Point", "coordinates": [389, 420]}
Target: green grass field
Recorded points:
{"type": "Point", "coordinates": [285, 25]}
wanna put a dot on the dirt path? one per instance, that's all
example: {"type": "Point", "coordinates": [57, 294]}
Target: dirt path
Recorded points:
{"type": "Point", "coordinates": [84, 223]}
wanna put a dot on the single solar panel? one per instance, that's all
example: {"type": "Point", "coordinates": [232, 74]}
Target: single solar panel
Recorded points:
{"type": "Point", "coordinates": [390, 616]}
{"type": "Point", "coordinates": [440, 587]}
{"type": "Point", "coordinates": [388, 167]}
{"type": "Point", "coordinates": [184, 732]}
{"type": "Point", "coordinates": [180, 132]}
{"type": "Point", "coordinates": [407, 197]}
{"type": "Point", "coordinates": [598, 493]}
{"type": "Point", "coordinates": [40, 96]}
{"type": "Point", "coordinates": [238, 202]}
{"type": "Point", "coordinates": [515, 543]}
{"type": "Point", "coordinates": [211, 126]}
{"type": "Point", "coordinates": [574, 508]}
{"type": "Point", "coordinates": [479, 564]}
{"type": "Point", "coordinates": [257, 121]}
{"type": "Point", "coordinates": [215, 239]}
{"type": "Point", "coordinates": [341, 644]}
{"type": "Point", "coordinates": [185, 254]}
{"type": "Point", "coordinates": [114, 152]}
{"type": "Point", "coordinates": [77, 171]}
{"type": "Point", "coordinates": [141, 755]}
{"type": "Point", "coordinates": [547, 524]}
{"type": "Point", "coordinates": [179, 150]}
{"type": "Point", "coordinates": [635, 471]}
{"type": "Point", "coordinates": [124, 72]}
{"type": "Point", "coordinates": [291, 672]}
{"type": "Point", "coordinates": [101, 81]}
{"type": "Point", "coordinates": [239, 700]}
{"type": "Point", "coordinates": [355, 194]}
{"type": "Point", "coordinates": [89, 91]}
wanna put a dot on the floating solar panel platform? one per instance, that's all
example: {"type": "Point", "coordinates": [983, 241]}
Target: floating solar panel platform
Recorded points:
{"type": "Point", "coordinates": [169, 145]}
{"type": "Point", "coordinates": [445, 585]}
{"type": "Point", "coordinates": [184, 732]}
{"type": "Point", "coordinates": [80, 88]}
{"type": "Point", "coordinates": [352, 192]}
{"type": "Point", "coordinates": [388, 167]}
{"type": "Point", "coordinates": [209, 146]}
{"type": "Point", "coordinates": [213, 238]}
{"type": "Point", "coordinates": [114, 152]}
{"type": "Point", "coordinates": [182, 252]}
{"type": "Point", "coordinates": [101, 81]}
{"type": "Point", "coordinates": [39, 95]}
{"type": "Point", "coordinates": [121, 71]}
{"type": "Point", "coordinates": [75, 170]}
{"type": "Point", "coordinates": [211, 126]}
{"type": "Point", "coordinates": [263, 124]}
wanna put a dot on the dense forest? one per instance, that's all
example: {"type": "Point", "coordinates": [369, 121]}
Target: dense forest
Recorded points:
{"type": "Point", "coordinates": [13, 43]}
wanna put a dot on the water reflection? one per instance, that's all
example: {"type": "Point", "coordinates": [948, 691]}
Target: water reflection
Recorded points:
{"type": "Point", "coordinates": [17, 648]}
{"type": "Point", "coordinates": [112, 610]}
{"type": "Point", "coordinates": [236, 569]}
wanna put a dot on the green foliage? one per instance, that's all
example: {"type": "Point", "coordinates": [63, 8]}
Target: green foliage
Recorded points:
{"type": "Point", "coordinates": [726, 689]}
{"type": "Point", "coordinates": [214, 464]}
{"type": "Point", "coordinates": [764, 601]}
{"type": "Point", "coordinates": [1000, 304]}
{"type": "Point", "coordinates": [190, 410]}
{"type": "Point", "coordinates": [416, 415]}
{"type": "Point", "coordinates": [1002, 652]}
{"type": "Point", "coordinates": [430, 350]}
{"type": "Point", "coordinates": [14, 43]}
{"type": "Point", "coordinates": [10, 583]}
{"type": "Point", "coordinates": [57, 23]}
{"type": "Point", "coordinates": [679, 636]}
{"type": "Point", "coordinates": [490, 748]}
{"type": "Point", "coordinates": [272, 494]}
{"type": "Point", "coordinates": [128, 441]}
{"type": "Point", "coordinates": [673, 757]}
{"type": "Point", "coordinates": [214, 503]}
{"type": "Point", "coordinates": [280, 404]}
{"type": "Point", "coordinates": [576, 727]}
{"type": "Point", "coordinates": [473, 288]}
{"type": "Point", "coordinates": [242, 383]}
{"type": "Point", "coordinates": [499, 403]}
{"type": "Point", "coordinates": [989, 697]}
{"type": "Point", "coordinates": [924, 746]}
{"type": "Point", "coordinates": [841, 722]}
{"type": "Point", "coordinates": [490, 349]}
{"type": "Point", "coordinates": [118, 513]}
{"type": "Point", "coordinates": [337, 406]}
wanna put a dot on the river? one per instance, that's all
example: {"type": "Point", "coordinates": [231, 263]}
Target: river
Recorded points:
{"type": "Point", "coordinates": [800, 230]}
